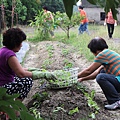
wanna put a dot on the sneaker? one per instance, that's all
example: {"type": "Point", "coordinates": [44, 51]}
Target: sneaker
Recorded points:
{"type": "Point", "coordinates": [113, 106]}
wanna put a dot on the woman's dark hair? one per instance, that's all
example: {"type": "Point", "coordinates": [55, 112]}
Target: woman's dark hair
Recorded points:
{"type": "Point", "coordinates": [96, 44]}
{"type": "Point", "coordinates": [45, 8]}
{"type": "Point", "coordinates": [81, 7]}
{"type": "Point", "coordinates": [13, 37]}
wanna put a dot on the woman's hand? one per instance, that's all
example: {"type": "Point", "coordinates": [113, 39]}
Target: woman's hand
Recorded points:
{"type": "Point", "coordinates": [80, 80]}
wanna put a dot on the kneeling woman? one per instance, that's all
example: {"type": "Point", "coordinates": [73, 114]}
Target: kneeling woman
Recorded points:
{"type": "Point", "coordinates": [13, 76]}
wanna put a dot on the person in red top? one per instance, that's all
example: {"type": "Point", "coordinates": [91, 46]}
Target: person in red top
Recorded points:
{"type": "Point", "coordinates": [84, 22]}
{"type": "Point", "coordinates": [111, 22]}
{"type": "Point", "coordinates": [49, 19]}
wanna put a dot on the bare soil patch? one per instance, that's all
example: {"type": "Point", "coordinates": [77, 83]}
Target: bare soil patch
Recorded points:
{"type": "Point", "coordinates": [59, 102]}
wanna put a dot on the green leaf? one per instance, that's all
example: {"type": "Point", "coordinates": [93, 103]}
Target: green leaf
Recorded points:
{"type": "Point", "coordinates": [92, 115]}
{"type": "Point", "coordinates": [71, 112]}
{"type": "Point", "coordinates": [92, 2]}
{"type": "Point", "coordinates": [69, 7]}
{"type": "Point", "coordinates": [10, 112]}
{"type": "Point", "coordinates": [20, 104]}
{"type": "Point", "coordinates": [26, 116]}
{"type": "Point", "coordinates": [10, 97]}
{"type": "Point", "coordinates": [17, 105]}
{"type": "Point", "coordinates": [5, 103]}
{"type": "Point", "coordinates": [2, 91]}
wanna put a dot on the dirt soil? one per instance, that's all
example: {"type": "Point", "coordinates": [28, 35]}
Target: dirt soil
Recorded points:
{"type": "Point", "coordinates": [53, 55]}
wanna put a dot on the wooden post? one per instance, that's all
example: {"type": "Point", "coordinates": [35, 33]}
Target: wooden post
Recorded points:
{"type": "Point", "coordinates": [13, 9]}
{"type": "Point", "coordinates": [16, 19]}
{"type": "Point", "coordinates": [3, 16]}
{"type": "Point", "coordinates": [0, 26]}
{"type": "Point", "coordinates": [0, 21]}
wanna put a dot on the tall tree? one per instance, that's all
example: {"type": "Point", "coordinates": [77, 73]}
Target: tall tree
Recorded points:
{"type": "Point", "coordinates": [11, 10]}
{"type": "Point", "coordinates": [32, 8]}
{"type": "Point", "coordinates": [53, 5]}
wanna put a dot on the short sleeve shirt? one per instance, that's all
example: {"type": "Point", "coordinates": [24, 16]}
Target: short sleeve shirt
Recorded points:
{"type": "Point", "coordinates": [83, 14]}
{"type": "Point", "coordinates": [110, 60]}
{"type": "Point", "coordinates": [110, 18]}
{"type": "Point", "coordinates": [6, 73]}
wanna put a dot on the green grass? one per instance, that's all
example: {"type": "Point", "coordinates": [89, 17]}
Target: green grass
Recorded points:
{"type": "Point", "coordinates": [80, 42]}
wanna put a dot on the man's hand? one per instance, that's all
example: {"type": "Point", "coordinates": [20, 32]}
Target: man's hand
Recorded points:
{"type": "Point", "coordinates": [82, 23]}
{"type": "Point", "coordinates": [80, 80]}
{"type": "Point", "coordinates": [115, 24]}
{"type": "Point", "coordinates": [104, 23]}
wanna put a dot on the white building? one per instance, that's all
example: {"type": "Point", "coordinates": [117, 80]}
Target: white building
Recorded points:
{"type": "Point", "coordinates": [94, 13]}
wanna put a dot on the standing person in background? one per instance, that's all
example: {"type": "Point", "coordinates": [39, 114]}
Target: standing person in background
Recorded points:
{"type": "Point", "coordinates": [84, 22]}
{"type": "Point", "coordinates": [50, 19]}
{"type": "Point", "coordinates": [111, 22]}
{"type": "Point", "coordinates": [12, 75]}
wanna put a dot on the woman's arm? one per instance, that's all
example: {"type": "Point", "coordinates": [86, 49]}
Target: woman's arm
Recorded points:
{"type": "Point", "coordinates": [17, 68]}
{"type": "Point", "coordinates": [106, 16]}
{"type": "Point", "coordinates": [91, 76]}
{"type": "Point", "coordinates": [90, 72]}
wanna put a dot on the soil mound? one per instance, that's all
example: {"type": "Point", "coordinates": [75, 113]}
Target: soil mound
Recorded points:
{"type": "Point", "coordinates": [62, 104]}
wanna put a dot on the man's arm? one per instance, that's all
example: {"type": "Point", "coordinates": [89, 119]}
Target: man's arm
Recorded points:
{"type": "Point", "coordinates": [91, 76]}
{"type": "Point", "coordinates": [90, 72]}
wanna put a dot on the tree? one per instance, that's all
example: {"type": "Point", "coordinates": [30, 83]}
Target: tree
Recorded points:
{"type": "Point", "coordinates": [62, 20]}
{"type": "Point", "coordinates": [106, 4]}
{"type": "Point", "coordinates": [0, 21]}
{"type": "Point", "coordinates": [19, 11]}
{"type": "Point", "coordinates": [33, 7]}
{"type": "Point", "coordinates": [43, 25]}
{"type": "Point", "coordinates": [53, 5]}
{"type": "Point", "coordinates": [12, 9]}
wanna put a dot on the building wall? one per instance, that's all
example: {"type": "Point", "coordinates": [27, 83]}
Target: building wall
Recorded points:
{"type": "Point", "coordinates": [95, 13]}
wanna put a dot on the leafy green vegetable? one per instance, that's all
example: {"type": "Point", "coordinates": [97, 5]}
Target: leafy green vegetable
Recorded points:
{"type": "Point", "coordinates": [71, 112]}
{"type": "Point", "coordinates": [64, 79]}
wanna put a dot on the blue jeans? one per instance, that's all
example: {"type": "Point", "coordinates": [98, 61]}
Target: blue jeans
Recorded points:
{"type": "Point", "coordinates": [83, 27]}
{"type": "Point", "coordinates": [110, 86]}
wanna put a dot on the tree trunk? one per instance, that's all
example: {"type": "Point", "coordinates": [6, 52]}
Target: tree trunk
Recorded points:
{"type": "Point", "coordinates": [0, 26]}
{"type": "Point", "coordinates": [16, 20]}
{"type": "Point", "coordinates": [13, 9]}
{"type": "Point", "coordinates": [68, 33]}
{"type": "Point", "coordinates": [0, 21]}
{"type": "Point", "coordinates": [3, 17]}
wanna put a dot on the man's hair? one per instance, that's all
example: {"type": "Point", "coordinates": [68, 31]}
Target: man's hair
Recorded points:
{"type": "Point", "coordinates": [13, 37]}
{"type": "Point", "coordinates": [81, 7]}
{"type": "Point", "coordinates": [96, 44]}
{"type": "Point", "coordinates": [45, 8]}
